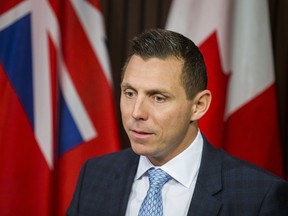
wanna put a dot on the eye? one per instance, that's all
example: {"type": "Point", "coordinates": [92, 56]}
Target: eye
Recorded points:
{"type": "Point", "coordinates": [129, 93]}
{"type": "Point", "coordinates": [159, 98]}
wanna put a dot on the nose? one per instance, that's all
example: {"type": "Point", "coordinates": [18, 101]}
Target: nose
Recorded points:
{"type": "Point", "coordinates": [140, 109]}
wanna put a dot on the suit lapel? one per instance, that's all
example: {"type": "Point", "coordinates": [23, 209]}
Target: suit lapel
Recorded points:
{"type": "Point", "coordinates": [204, 200]}
{"type": "Point", "coordinates": [124, 179]}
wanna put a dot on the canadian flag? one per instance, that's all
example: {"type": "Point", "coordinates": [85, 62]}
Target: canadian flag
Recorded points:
{"type": "Point", "coordinates": [234, 37]}
{"type": "Point", "coordinates": [56, 101]}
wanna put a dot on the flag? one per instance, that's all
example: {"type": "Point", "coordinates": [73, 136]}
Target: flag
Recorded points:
{"type": "Point", "coordinates": [56, 101]}
{"type": "Point", "coordinates": [234, 37]}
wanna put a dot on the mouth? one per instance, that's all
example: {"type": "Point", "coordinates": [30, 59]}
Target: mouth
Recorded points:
{"type": "Point", "coordinates": [141, 135]}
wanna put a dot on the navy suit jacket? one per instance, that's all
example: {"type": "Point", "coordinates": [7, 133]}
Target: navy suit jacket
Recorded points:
{"type": "Point", "coordinates": [225, 186]}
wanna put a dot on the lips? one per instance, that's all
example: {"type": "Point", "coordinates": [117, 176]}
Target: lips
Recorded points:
{"type": "Point", "coordinates": [137, 134]}
{"type": "Point", "coordinates": [140, 132]}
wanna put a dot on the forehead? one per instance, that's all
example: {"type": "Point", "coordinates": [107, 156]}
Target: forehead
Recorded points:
{"type": "Point", "coordinates": [153, 71]}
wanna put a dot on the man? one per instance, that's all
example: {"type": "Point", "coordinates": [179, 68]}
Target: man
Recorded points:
{"type": "Point", "coordinates": [163, 95]}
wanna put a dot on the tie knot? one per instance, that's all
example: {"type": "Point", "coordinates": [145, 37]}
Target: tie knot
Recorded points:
{"type": "Point", "coordinates": [157, 178]}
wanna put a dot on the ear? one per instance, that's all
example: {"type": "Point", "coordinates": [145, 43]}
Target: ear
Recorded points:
{"type": "Point", "coordinates": [201, 104]}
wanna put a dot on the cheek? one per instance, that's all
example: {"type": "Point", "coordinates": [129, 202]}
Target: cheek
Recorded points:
{"type": "Point", "coordinates": [124, 113]}
{"type": "Point", "coordinates": [166, 122]}
{"type": "Point", "coordinates": [175, 122]}
{"type": "Point", "coordinates": [124, 108]}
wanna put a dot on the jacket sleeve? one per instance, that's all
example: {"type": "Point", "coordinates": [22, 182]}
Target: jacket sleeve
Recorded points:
{"type": "Point", "coordinates": [276, 200]}
{"type": "Point", "coordinates": [73, 209]}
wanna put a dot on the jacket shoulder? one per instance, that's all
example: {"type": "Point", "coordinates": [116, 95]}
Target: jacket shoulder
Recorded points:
{"type": "Point", "coordinates": [113, 161]}
{"type": "Point", "coordinates": [235, 167]}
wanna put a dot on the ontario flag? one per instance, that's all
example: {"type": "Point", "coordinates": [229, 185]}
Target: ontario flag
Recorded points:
{"type": "Point", "coordinates": [234, 37]}
{"type": "Point", "coordinates": [56, 101]}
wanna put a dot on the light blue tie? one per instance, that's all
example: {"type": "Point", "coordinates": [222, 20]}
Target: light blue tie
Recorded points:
{"type": "Point", "coordinates": [152, 204]}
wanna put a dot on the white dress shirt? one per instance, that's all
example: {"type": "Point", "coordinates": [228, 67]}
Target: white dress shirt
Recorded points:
{"type": "Point", "coordinates": [177, 192]}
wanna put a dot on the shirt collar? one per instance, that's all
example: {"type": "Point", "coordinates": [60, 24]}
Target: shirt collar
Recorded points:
{"type": "Point", "coordinates": [183, 168]}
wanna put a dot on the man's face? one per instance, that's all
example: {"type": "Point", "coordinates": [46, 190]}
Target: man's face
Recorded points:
{"type": "Point", "coordinates": [155, 112]}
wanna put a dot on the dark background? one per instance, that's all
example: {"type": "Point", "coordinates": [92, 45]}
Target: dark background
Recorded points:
{"type": "Point", "coordinates": [126, 18]}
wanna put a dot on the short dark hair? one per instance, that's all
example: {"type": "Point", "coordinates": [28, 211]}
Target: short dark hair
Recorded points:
{"type": "Point", "coordinates": [162, 44]}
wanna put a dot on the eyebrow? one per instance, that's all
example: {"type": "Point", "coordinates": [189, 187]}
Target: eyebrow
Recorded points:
{"type": "Point", "coordinates": [125, 85]}
{"type": "Point", "coordinates": [150, 92]}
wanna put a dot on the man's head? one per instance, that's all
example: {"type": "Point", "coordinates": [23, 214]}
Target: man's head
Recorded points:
{"type": "Point", "coordinates": [162, 44]}
{"type": "Point", "coordinates": [163, 94]}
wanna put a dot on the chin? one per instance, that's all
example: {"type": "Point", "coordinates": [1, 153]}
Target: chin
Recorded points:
{"type": "Point", "coordinates": [139, 149]}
